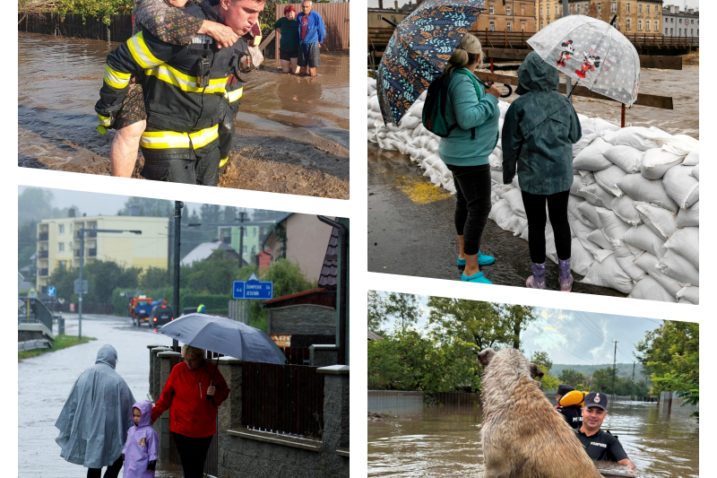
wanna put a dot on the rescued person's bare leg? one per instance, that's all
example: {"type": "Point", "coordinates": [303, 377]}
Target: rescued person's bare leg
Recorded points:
{"type": "Point", "coordinates": [124, 149]}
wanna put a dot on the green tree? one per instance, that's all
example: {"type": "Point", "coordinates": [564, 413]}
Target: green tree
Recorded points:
{"type": "Point", "coordinates": [147, 207]}
{"type": "Point", "coordinates": [376, 311]}
{"type": "Point", "coordinates": [573, 378]}
{"type": "Point", "coordinates": [670, 354]}
{"type": "Point", "coordinates": [398, 362]}
{"type": "Point", "coordinates": [601, 380]}
{"type": "Point", "coordinates": [542, 360]}
{"type": "Point", "coordinates": [404, 307]}
{"type": "Point", "coordinates": [518, 317]}
{"type": "Point", "coordinates": [103, 10]}
{"type": "Point", "coordinates": [214, 275]}
{"type": "Point", "coordinates": [154, 278]}
{"type": "Point", "coordinates": [103, 277]}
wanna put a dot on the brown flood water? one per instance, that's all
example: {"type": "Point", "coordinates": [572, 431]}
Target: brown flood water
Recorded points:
{"type": "Point", "coordinates": [406, 439]}
{"type": "Point", "coordinates": [292, 133]}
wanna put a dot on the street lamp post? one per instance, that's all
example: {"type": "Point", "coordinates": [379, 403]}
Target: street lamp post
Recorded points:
{"type": "Point", "coordinates": [80, 286]}
{"type": "Point", "coordinates": [178, 205]}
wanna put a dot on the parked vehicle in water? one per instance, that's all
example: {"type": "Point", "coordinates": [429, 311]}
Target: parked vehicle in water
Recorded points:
{"type": "Point", "coordinates": [140, 307]}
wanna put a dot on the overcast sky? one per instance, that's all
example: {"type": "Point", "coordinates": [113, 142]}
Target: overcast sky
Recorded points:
{"type": "Point", "coordinates": [578, 338]}
{"type": "Point", "coordinates": [390, 3]}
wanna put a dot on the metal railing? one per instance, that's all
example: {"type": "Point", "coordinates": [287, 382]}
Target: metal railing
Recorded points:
{"type": "Point", "coordinates": [285, 399]}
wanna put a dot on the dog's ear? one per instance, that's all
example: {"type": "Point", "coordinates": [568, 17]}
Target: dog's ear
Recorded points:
{"type": "Point", "coordinates": [535, 372]}
{"type": "Point", "coordinates": [485, 356]}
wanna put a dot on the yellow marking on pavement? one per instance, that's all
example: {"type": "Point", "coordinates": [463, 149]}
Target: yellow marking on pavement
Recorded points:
{"type": "Point", "coordinates": [420, 191]}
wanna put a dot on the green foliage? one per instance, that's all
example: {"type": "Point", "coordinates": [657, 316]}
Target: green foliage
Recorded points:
{"type": "Point", "coordinates": [573, 378]}
{"type": "Point", "coordinates": [154, 278]}
{"type": "Point", "coordinates": [399, 362]}
{"type": "Point", "coordinates": [542, 360]}
{"type": "Point", "coordinates": [670, 354]}
{"type": "Point", "coordinates": [101, 9]}
{"type": "Point", "coordinates": [376, 311]}
{"type": "Point", "coordinates": [146, 207]}
{"type": "Point", "coordinates": [214, 274]}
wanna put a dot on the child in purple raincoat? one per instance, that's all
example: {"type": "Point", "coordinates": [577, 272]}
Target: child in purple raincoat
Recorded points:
{"type": "Point", "coordinates": [140, 450]}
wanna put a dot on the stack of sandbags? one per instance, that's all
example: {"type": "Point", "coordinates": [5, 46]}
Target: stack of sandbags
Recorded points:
{"type": "Point", "coordinates": [634, 204]}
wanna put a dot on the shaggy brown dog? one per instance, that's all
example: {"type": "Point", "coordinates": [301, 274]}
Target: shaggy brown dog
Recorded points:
{"type": "Point", "coordinates": [523, 435]}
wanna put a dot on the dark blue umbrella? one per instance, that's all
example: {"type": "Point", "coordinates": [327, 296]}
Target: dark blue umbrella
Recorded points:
{"type": "Point", "coordinates": [419, 50]}
{"type": "Point", "coordinates": [224, 336]}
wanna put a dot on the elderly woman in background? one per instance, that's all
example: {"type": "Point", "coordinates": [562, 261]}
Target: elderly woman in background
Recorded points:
{"type": "Point", "coordinates": [193, 393]}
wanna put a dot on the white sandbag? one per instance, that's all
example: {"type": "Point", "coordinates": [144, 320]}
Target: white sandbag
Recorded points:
{"type": "Point", "coordinates": [588, 214]}
{"type": "Point", "coordinates": [612, 226]}
{"type": "Point", "coordinates": [656, 161]}
{"type": "Point", "coordinates": [689, 295]}
{"type": "Point", "coordinates": [580, 258]}
{"type": "Point", "coordinates": [608, 273]}
{"type": "Point", "coordinates": [609, 178]}
{"type": "Point", "coordinates": [624, 208]}
{"type": "Point", "coordinates": [515, 199]}
{"type": "Point", "coordinates": [592, 158]}
{"type": "Point", "coordinates": [596, 195]}
{"type": "Point", "coordinates": [501, 213]}
{"type": "Point", "coordinates": [682, 186]}
{"type": "Point", "coordinates": [689, 217]}
{"type": "Point", "coordinates": [637, 137]}
{"type": "Point", "coordinates": [679, 268]}
{"type": "Point", "coordinates": [409, 122]}
{"type": "Point", "coordinates": [649, 289]}
{"type": "Point", "coordinates": [628, 265]}
{"type": "Point", "coordinates": [580, 181]}
{"type": "Point", "coordinates": [685, 242]}
{"type": "Point", "coordinates": [624, 157]}
{"type": "Point", "coordinates": [696, 172]}
{"type": "Point", "coordinates": [650, 264]}
{"type": "Point", "coordinates": [680, 144]}
{"type": "Point", "coordinates": [598, 238]}
{"type": "Point", "coordinates": [496, 161]}
{"type": "Point", "coordinates": [645, 239]}
{"type": "Point", "coordinates": [373, 104]}
{"type": "Point", "coordinates": [692, 159]}
{"type": "Point", "coordinates": [496, 178]}
{"type": "Point", "coordinates": [642, 189]}
{"type": "Point", "coordinates": [658, 219]}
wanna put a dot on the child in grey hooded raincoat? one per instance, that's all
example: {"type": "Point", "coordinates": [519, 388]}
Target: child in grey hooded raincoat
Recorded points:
{"type": "Point", "coordinates": [93, 422]}
{"type": "Point", "coordinates": [539, 130]}
{"type": "Point", "coordinates": [140, 450]}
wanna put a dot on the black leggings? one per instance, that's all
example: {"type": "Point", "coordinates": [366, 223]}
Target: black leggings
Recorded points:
{"type": "Point", "coordinates": [192, 453]}
{"type": "Point", "coordinates": [472, 203]}
{"type": "Point", "coordinates": [558, 211]}
{"type": "Point", "coordinates": [111, 472]}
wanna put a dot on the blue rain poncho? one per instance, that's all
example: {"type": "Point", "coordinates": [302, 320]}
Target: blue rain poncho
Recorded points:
{"type": "Point", "coordinates": [93, 423]}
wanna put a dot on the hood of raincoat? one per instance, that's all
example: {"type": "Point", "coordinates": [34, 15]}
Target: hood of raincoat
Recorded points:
{"type": "Point", "coordinates": [94, 421]}
{"type": "Point", "coordinates": [535, 74]}
{"type": "Point", "coordinates": [107, 354]}
{"type": "Point", "coordinates": [145, 408]}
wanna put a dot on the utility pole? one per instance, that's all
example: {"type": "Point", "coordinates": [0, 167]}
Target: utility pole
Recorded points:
{"type": "Point", "coordinates": [632, 387]}
{"type": "Point", "coordinates": [178, 205]}
{"type": "Point", "coordinates": [242, 218]}
{"type": "Point", "coordinates": [81, 288]}
{"type": "Point", "coordinates": [614, 368]}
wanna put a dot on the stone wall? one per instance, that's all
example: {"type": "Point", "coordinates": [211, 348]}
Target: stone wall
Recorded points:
{"type": "Point", "coordinates": [305, 319]}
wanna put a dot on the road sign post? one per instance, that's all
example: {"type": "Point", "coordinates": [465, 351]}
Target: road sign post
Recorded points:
{"type": "Point", "coordinates": [252, 289]}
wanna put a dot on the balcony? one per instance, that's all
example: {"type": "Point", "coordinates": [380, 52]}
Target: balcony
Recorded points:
{"type": "Point", "coordinates": [43, 254]}
{"type": "Point", "coordinates": [43, 236]}
{"type": "Point", "coordinates": [43, 272]}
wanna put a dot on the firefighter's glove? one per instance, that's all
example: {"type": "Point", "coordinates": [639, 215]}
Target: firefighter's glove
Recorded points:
{"type": "Point", "coordinates": [105, 122]}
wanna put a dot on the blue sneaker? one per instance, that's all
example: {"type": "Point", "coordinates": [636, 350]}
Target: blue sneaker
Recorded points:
{"type": "Point", "coordinates": [477, 277]}
{"type": "Point", "coordinates": [483, 260]}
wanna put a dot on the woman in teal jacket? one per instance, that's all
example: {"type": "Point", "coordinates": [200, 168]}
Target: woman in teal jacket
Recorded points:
{"type": "Point", "coordinates": [539, 130]}
{"type": "Point", "coordinates": [465, 151]}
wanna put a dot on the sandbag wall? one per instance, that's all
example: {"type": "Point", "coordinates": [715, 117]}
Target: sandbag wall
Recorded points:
{"type": "Point", "coordinates": [634, 203]}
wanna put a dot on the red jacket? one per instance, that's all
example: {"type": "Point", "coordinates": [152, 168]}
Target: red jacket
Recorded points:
{"type": "Point", "coordinates": [185, 394]}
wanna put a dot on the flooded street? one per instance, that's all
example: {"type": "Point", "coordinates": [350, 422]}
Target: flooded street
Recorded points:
{"type": "Point", "coordinates": [445, 441]}
{"type": "Point", "coordinates": [292, 133]}
{"type": "Point", "coordinates": [44, 383]}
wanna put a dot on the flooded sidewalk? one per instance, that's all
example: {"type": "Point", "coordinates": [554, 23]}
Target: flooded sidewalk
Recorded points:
{"type": "Point", "coordinates": [292, 133]}
{"type": "Point", "coordinates": [44, 383]}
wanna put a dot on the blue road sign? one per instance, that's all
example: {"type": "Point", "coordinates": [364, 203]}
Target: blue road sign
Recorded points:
{"type": "Point", "coordinates": [252, 289]}
{"type": "Point", "coordinates": [51, 291]}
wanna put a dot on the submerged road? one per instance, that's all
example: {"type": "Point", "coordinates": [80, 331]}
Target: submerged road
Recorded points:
{"type": "Point", "coordinates": [44, 383]}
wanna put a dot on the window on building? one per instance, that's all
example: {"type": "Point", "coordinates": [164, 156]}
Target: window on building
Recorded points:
{"type": "Point", "coordinates": [61, 247]}
{"type": "Point", "coordinates": [639, 24]}
{"type": "Point", "coordinates": [627, 7]}
{"type": "Point", "coordinates": [509, 26]}
{"type": "Point", "coordinates": [639, 8]}
{"type": "Point", "coordinates": [508, 10]}
{"type": "Point", "coordinates": [647, 26]}
{"type": "Point", "coordinates": [491, 26]}
{"type": "Point", "coordinates": [648, 8]}
{"type": "Point", "coordinates": [613, 7]}
{"type": "Point", "coordinates": [599, 8]}
{"type": "Point", "coordinates": [657, 25]}
{"type": "Point", "coordinates": [491, 9]}
{"type": "Point", "coordinates": [628, 24]}
{"type": "Point", "coordinates": [61, 228]}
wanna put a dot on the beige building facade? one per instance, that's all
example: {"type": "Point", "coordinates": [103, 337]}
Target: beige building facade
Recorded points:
{"type": "Point", "coordinates": [507, 16]}
{"type": "Point", "coordinates": [58, 243]}
{"type": "Point", "coordinates": [634, 17]}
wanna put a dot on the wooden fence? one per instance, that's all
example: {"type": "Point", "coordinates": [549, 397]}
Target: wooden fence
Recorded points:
{"type": "Point", "coordinates": [282, 399]}
{"type": "Point", "coordinates": [72, 25]}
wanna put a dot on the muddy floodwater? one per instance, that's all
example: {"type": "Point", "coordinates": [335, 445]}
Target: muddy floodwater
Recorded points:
{"type": "Point", "coordinates": [445, 441]}
{"type": "Point", "coordinates": [292, 133]}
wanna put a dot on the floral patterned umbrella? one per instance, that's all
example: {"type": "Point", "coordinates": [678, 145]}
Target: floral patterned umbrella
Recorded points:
{"type": "Point", "coordinates": [592, 52]}
{"type": "Point", "coordinates": [419, 50]}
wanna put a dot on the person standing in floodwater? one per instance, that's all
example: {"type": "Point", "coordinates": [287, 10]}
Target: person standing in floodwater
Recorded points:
{"type": "Point", "coordinates": [539, 130]}
{"type": "Point", "coordinates": [94, 421]}
{"type": "Point", "coordinates": [288, 27]}
{"type": "Point", "coordinates": [312, 33]}
{"type": "Point", "coordinates": [465, 151]}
